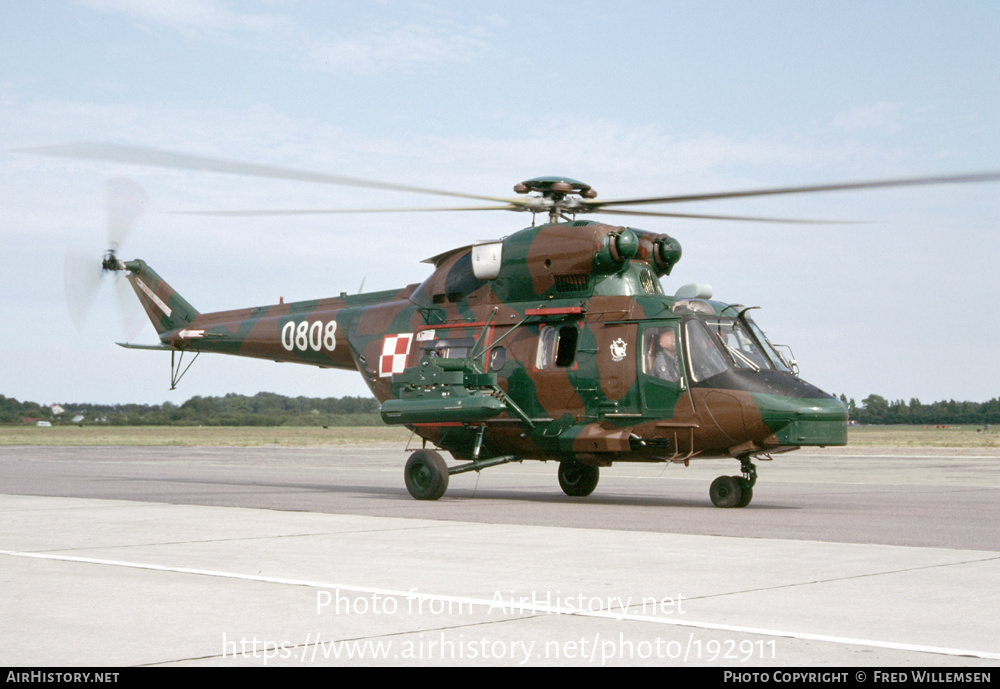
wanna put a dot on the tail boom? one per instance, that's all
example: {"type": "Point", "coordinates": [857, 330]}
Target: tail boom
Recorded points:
{"type": "Point", "coordinates": [306, 333]}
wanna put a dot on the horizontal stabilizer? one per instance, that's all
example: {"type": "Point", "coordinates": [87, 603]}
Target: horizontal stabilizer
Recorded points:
{"type": "Point", "coordinates": [157, 347]}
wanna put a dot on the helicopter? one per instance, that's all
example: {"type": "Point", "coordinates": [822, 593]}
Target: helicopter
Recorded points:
{"type": "Point", "coordinates": [554, 343]}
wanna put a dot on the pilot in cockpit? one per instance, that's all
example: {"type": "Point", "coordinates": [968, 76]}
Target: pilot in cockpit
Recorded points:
{"type": "Point", "coordinates": [663, 356]}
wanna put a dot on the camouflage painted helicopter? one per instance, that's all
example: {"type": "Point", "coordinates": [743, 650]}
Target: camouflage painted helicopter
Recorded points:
{"type": "Point", "coordinates": [554, 343]}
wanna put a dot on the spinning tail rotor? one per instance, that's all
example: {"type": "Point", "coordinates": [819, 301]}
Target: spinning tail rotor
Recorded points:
{"type": "Point", "coordinates": [86, 275]}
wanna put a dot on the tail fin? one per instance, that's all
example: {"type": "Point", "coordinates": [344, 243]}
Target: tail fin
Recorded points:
{"type": "Point", "coordinates": [166, 308]}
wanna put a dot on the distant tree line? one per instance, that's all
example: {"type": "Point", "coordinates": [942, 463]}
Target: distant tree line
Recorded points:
{"type": "Point", "coordinates": [269, 409]}
{"type": "Point", "coordinates": [876, 409]}
{"type": "Point", "coordinates": [263, 409]}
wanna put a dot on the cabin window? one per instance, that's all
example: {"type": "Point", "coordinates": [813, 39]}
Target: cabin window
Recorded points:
{"type": "Point", "coordinates": [556, 346]}
{"type": "Point", "coordinates": [447, 348]}
{"type": "Point", "coordinates": [497, 358]}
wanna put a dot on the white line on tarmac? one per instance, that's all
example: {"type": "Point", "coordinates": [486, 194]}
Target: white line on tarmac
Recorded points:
{"type": "Point", "coordinates": [494, 604]}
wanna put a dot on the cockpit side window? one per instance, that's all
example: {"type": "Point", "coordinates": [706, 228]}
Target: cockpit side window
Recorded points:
{"type": "Point", "coordinates": [661, 364]}
{"type": "Point", "coordinates": [659, 346]}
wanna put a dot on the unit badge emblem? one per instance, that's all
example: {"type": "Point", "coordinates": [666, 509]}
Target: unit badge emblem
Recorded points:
{"type": "Point", "coordinates": [618, 350]}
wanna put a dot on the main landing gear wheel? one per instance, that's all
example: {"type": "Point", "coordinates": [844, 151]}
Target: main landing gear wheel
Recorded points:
{"type": "Point", "coordinates": [426, 475]}
{"type": "Point", "coordinates": [576, 479]}
{"type": "Point", "coordinates": [727, 491]}
{"type": "Point", "coordinates": [746, 490]}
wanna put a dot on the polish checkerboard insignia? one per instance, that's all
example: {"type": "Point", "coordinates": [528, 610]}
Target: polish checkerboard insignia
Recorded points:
{"type": "Point", "coordinates": [395, 349]}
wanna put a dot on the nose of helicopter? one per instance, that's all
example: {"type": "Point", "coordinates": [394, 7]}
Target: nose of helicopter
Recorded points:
{"type": "Point", "coordinates": [804, 420]}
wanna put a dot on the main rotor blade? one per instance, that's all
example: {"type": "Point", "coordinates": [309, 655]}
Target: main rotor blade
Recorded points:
{"type": "Point", "coordinates": [842, 186]}
{"type": "Point", "coordinates": [329, 211]}
{"type": "Point", "coordinates": [745, 218]}
{"type": "Point", "coordinates": [134, 155]}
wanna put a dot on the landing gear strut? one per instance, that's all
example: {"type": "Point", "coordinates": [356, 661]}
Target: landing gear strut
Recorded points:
{"type": "Point", "coordinates": [426, 473]}
{"type": "Point", "coordinates": [735, 491]}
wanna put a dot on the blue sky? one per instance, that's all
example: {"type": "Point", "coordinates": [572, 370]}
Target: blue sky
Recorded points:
{"type": "Point", "coordinates": [635, 98]}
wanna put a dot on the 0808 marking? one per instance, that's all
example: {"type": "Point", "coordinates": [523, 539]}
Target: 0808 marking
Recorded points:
{"type": "Point", "coordinates": [305, 336]}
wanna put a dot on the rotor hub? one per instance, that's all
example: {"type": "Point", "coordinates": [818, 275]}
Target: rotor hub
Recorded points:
{"type": "Point", "coordinates": [553, 187]}
{"type": "Point", "coordinates": [556, 195]}
{"type": "Point", "coordinates": [111, 264]}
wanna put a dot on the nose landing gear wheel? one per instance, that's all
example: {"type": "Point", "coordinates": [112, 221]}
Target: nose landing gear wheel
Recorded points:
{"type": "Point", "coordinates": [726, 491]}
{"type": "Point", "coordinates": [426, 475]}
{"type": "Point", "coordinates": [576, 479]}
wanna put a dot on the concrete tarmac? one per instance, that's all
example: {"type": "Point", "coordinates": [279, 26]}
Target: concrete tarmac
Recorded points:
{"type": "Point", "coordinates": [224, 557]}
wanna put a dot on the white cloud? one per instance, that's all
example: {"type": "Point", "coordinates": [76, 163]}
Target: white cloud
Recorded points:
{"type": "Point", "coordinates": [193, 18]}
{"type": "Point", "coordinates": [377, 48]}
{"type": "Point", "coordinates": [403, 46]}
{"type": "Point", "coordinates": [884, 116]}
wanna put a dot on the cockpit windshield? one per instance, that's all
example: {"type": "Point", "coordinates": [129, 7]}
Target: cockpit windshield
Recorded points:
{"type": "Point", "coordinates": [746, 344]}
{"type": "Point", "coordinates": [712, 345]}
{"type": "Point", "coordinates": [703, 354]}
{"type": "Point", "coordinates": [772, 354]}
